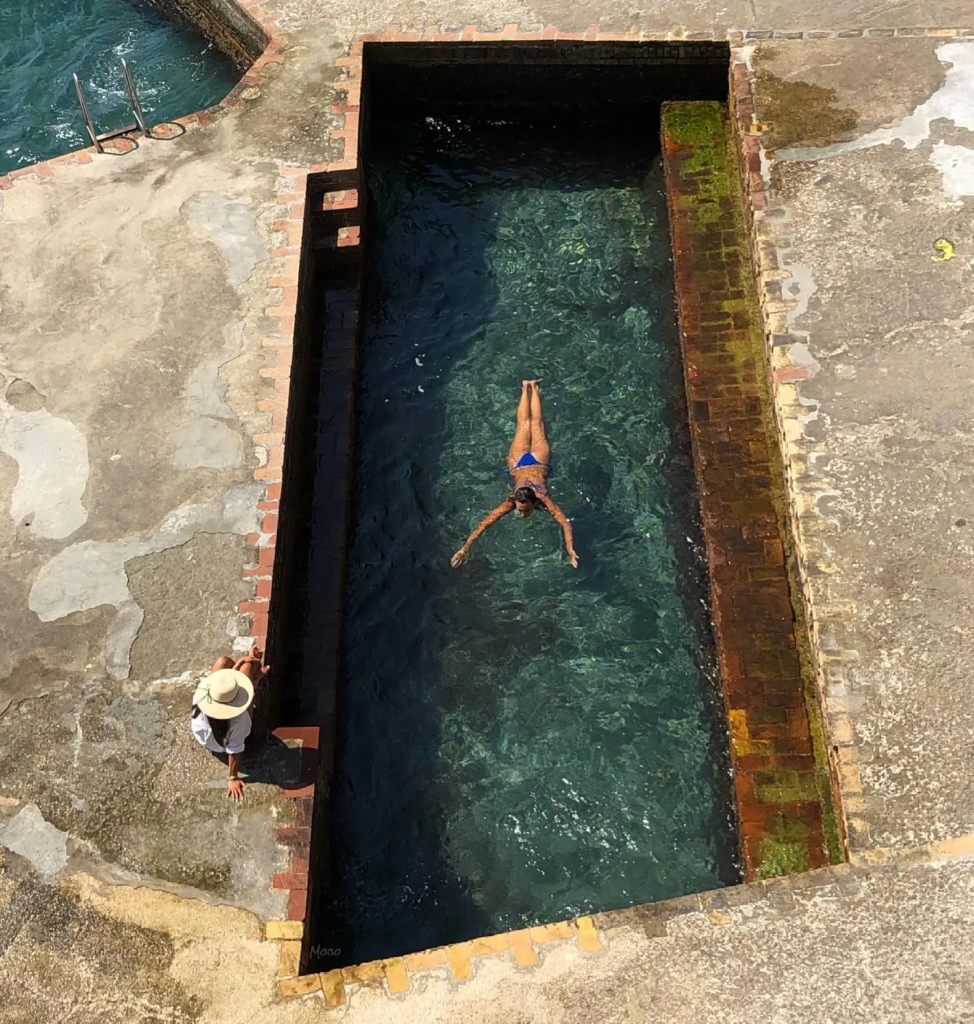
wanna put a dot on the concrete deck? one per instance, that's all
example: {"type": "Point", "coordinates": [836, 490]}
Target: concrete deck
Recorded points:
{"type": "Point", "coordinates": [132, 314]}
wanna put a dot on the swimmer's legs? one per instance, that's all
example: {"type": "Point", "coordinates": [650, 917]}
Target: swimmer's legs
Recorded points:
{"type": "Point", "coordinates": [522, 432]}
{"type": "Point", "coordinates": [540, 448]}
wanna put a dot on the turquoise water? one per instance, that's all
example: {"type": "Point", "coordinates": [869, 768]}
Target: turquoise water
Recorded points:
{"type": "Point", "coordinates": [520, 741]}
{"type": "Point", "coordinates": [43, 41]}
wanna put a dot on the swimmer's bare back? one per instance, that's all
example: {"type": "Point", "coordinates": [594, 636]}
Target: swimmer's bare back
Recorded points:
{"type": "Point", "coordinates": [528, 462]}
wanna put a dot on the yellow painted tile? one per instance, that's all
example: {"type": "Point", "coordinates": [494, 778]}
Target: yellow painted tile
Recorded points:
{"type": "Point", "coordinates": [374, 970]}
{"type": "Point", "coordinates": [396, 976]}
{"type": "Point", "coordinates": [543, 933]}
{"type": "Point", "coordinates": [490, 944]}
{"type": "Point", "coordinates": [459, 958]}
{"type": "Point", "coordinates": [303, 986]}
{"type": "Point", "coordinates": [289, 960]}
{"type": "Point", "coordinates": [426, 959]}
{"type": "Point", "coordinates": [588, 936]}
{"type": "Point", "coordinates": [285, 929]}
{"type": "Point", "coordinates": [525, 955]}
{"type": "Point", "coordinates": [333, 987]}
{"type": "Point", "coordinates": [876, 857]}
{"type": "Point", "coordinates": [959, 847]}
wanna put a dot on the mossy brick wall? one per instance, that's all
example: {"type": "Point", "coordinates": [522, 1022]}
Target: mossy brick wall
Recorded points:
{"type": "Point", "coordinates": [778, 784]}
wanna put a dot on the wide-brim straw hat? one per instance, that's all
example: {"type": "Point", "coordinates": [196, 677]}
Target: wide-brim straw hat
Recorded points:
{"type": "Point", "coordinates": [225, 693]}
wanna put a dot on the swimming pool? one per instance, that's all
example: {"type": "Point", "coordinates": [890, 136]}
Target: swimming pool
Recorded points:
{"type": "Point", "coordinates": [42, 42]}
{"type": "Point", "coordinates": [520, 741]}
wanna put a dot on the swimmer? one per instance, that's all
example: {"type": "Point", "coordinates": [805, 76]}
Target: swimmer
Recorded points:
{"type": "Point", "coordinates": [527, 462]}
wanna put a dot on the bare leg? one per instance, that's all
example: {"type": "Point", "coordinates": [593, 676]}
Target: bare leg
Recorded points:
{"type": "Point", "coordinates": [223, 662]}
{"type": "Point", "coordinates": [540, 448]}
{"type": "Point", "coordinates": [522, 433]}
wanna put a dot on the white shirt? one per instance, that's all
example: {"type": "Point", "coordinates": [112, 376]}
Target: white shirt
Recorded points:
{"type": "Point", "coordinates": [237, 732]}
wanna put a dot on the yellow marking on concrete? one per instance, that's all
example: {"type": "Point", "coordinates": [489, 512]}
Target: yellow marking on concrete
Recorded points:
{"type": "Point", "coordinates": [543, 933]}
{"type": "Point", "coordinates": [333, 987]}
{"type": "Point", "coordinates": [840, 728]}
{"type": "Point", "coordinates": [287, 988]}
{"type": "Point", "coordinates": [871, 858]}
{"type": "Point", "coordinates": [588, 936]}
{"type": "Point", "coordinates": [426, 959]}
{"type": "Point", "coordinates": [289, 960]}
{"type": "Point", "coordinates": [719, 917]}
{"type": "Point", "coordinates": [285, 929]}
{"type": "Point", "coordinates": [525, 955]}
{"type": "Point", "coordinates": [961, 846]}
{"type": "Point", "coordinates": [459, 957]}
{"type": "Point", "coordinates": [490, 944]}
{"type": "Point", "coordinates": [945, 249]}
{"type": "Point", "coordinates": [396, 976]}
{"type": "Point", "coordinates": [373, 970]}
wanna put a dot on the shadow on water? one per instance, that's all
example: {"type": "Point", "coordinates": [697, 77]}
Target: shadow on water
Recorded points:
{"type": "Point", "coordinates": [393, 888]}
{"type": "Point", "coordinates": [471, 703]}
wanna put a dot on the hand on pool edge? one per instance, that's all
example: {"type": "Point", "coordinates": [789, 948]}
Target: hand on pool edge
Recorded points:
{"type": "Point", "coordinates": [460, 557]}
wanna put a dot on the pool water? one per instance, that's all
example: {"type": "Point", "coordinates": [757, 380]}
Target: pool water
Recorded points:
{"type": "Point", "coordinates": [520, 741]}
{"type": "Point", "coordinates": [43, 41]}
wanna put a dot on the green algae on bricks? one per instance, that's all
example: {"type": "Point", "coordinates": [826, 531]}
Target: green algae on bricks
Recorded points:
{"type": "Point", "coordinates": [786, 818]}
{"type": "Point", "coordinates": [702, 126]}
{"type": "Point", "coordinates": [784, 852]}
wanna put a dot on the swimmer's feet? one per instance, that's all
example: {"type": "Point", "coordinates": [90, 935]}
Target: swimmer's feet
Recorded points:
{"type": "Point", "coordinates": [528, 383]}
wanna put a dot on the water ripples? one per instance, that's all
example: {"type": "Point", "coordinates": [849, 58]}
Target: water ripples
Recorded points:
{"type": "Point", "coordinates": [42, 42]}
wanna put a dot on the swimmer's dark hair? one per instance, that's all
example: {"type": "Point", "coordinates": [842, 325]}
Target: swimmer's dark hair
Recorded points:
{"type": "Point", "coordinates": [526, 495]}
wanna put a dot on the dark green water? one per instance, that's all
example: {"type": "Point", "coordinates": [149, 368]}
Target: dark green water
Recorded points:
{"type": "Point", "coordinates": [43, 41]}
{"type": "Point", "coordinates": [520, 741]}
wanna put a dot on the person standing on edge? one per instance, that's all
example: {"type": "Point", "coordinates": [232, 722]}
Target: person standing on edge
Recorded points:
{"type": "Point", "coordinates": [220, 718]}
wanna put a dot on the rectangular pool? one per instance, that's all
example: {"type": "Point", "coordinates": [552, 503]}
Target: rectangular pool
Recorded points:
{"type": "Point", "coordinates": [519, 741]}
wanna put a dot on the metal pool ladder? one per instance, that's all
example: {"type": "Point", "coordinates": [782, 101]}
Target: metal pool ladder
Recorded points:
{"type": "Point", "coordinates": [134, 105]}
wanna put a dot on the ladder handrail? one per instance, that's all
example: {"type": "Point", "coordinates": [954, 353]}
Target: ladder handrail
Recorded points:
{"type": "Point", "coordinates": [133, 97]}
{"type": "Point", "coordinates": [89, 124]}
{"type": "Point", "coordinates": [135, 105]}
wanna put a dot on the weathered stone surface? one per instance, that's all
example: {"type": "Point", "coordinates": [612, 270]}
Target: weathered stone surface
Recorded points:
{"type": "Point", "coordinates": [111, 300]}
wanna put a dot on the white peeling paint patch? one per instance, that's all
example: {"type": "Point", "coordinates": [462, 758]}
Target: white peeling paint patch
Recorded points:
{"type": "Point", "coordinates": [206, 391]}
{"type": "Point", "coordinates": [953, 101]}
{"type": "Point", "coordinates": [52, 462]}
{"type": "Point", "coordinates": [210, 439]}
{"type": "Point", "coordinates": [92, 573]}
{"type": "Point", "coordinates": [206, 444]}
{"type": "Point", "coordinates": [801, 356]}
{"type": "Point", "coordinates": [800, 287]}
{"type": "Point", "coordinates": [233, 226]}
{"type": "Point", "coordinates": [956, 164]}
{"type": "Point", "coordinates": [37, 840]}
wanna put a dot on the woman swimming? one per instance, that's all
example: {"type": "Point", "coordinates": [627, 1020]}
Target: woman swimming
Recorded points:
{"type": "Point", "coordinates": [527, 462]}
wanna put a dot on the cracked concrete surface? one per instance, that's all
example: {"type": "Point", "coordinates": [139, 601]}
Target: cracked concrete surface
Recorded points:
{"type": "Point", "coordinates": [131, 300]}
{"type": "Point", "coordinates": [92, 573]}
{"type": "Point", "coordinates": [889, 329]}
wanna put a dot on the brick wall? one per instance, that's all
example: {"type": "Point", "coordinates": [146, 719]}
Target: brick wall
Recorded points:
{"type": "Point", "coordinates": [779, 787]}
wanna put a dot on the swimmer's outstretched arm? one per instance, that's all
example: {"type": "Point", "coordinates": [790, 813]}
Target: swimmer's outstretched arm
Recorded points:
{"type": "Point", "coordinates": [566, 527]}
{"type": "Point", "coordinates": [507, 505]}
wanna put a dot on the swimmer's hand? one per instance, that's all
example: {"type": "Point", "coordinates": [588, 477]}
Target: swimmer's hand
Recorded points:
{"type": "Point", "coordinates": [460, 557]}
{"type": "Point", "coordinates": [573, 558]}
